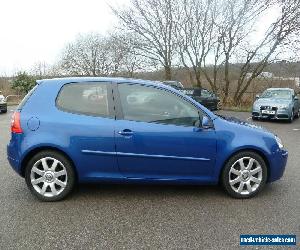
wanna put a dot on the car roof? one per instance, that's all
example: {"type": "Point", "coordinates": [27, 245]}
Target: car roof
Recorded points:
{"type": "Point", "coordinates": [101, 79]}
{"type": "Point", "coordinates": [65, 80]}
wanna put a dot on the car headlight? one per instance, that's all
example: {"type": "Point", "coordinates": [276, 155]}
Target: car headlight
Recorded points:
{"type": "Point", "coordinates": [283, 106]}
{"type": "Point", "coordinates": [256, 106]}
{"type": "Point", "coordinates": [279, 142]}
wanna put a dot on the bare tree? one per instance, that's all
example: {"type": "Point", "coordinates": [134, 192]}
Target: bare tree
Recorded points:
{"type": "Point", "coordinates": [234, 26]}
{"type": "Point", "coordinates": [128, 56]}
{"type": "Point", "coordinates": [124, 54]}
{"type": "Point", "coordinates": [224, 33]}
{"type": "Point", "coordinates": [258, 57]}
{"type": "Point", "coordinates": [87, 55]}
{"type": "Point", "coordinates": [195, 33]}
{"type": "Point", "coordinates": [152, 21]}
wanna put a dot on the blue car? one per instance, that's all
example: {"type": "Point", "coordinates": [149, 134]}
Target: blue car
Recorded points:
{"type": "Point", "coordinates": [75, 130]}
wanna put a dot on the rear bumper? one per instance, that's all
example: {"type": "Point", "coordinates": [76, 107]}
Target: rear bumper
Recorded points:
{"type": "Point", "coordinates": [15, 164]}
{"type": "Point", "coordinates": [13, 154]}
{"type": "Point", "coordinates": [277, 165]}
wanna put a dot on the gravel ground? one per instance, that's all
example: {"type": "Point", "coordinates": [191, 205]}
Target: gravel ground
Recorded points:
{"type": "Point", "coordinates": [154, 217]}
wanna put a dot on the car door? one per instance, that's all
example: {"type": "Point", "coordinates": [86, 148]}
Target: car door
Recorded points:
{"type": "Point", "coordinates": [156, 138]}
{"type": "Point", "coordinates": [86, 117]}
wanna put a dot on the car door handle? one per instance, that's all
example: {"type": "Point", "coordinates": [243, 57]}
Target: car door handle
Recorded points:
{"type": "Point", "coordinates": [125, 132]}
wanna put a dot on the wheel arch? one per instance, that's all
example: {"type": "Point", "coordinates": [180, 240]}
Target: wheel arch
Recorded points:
{"type": "Point", "coordinates": [34, 151]}
{"type": "Point", "coordinates": [260, 153]}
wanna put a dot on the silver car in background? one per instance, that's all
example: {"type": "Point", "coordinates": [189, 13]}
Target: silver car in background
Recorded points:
{"type": "Point", "coordinates": [276, 103]}
{"type": "Point", "coordinates": [3, 103]}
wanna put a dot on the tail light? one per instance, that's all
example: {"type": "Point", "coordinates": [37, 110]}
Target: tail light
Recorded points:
{"type": "Point", "coordinates": [16, 123]}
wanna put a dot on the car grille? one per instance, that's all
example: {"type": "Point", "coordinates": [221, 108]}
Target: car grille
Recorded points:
{"type": "Point", "coordinates": [268, 108]}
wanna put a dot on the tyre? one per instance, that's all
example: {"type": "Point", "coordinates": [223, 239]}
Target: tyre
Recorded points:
{"type": "Point", "coordinates": [244, 175]}
{"type": "Point", "coordinates": [297, 114]}
{"type": "Point", "coordinates": [292, 117]}
{"type": "Point", "coordinates": [254, 118]}
{"type": "Point", "coordinates": [49, 176]}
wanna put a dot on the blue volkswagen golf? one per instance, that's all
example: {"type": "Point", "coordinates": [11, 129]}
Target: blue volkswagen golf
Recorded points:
{"type": "Point", "coordinates": [75, 130]}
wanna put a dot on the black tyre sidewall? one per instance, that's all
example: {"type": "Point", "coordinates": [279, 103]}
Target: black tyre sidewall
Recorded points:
{"type": "Point", "coordinates": [70, 173]}
{"type": "Point", "coordinates": [292, 117]}
{"type": "Point", "coordinates": [231, 161]}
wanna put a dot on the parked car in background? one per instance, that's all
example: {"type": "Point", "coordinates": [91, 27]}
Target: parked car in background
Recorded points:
{"type": "Point", "coordinates": [276, 103]}
{"type": "Point", "coordinates": [203, 96]}
{"type": "Point", "coordinates": [60, 137]}
{"type": "Point", "coordinates": [175, 84]}
{"type": "Point", "coordinates": [3, 103]}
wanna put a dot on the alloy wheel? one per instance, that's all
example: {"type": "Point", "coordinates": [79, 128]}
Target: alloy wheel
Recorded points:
{"type": "Point", "coordinates": [245, 176]}
{"type": "Point", "coordinates": [49, 177]}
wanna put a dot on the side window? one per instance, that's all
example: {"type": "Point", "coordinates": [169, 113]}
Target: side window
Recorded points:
{"type": "Point", "coordinates": [84, 98]}
{"type": "Point", "coordinates": [148, 104]}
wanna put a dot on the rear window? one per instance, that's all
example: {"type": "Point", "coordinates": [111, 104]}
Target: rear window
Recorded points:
{"type": "Point", "coordinates": [84, 98]}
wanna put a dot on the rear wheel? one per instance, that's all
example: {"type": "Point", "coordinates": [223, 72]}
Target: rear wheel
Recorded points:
{"type": "Point", "coordinates": [50, 176]}
{"type": "Point", "coordinates": [244, 175]}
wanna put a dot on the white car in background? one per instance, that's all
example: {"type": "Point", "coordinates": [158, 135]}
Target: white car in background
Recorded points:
{"type": "Point", "coordinates": [3, 104]}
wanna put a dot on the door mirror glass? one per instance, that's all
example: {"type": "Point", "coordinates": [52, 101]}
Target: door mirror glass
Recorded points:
{"type": "Point", "coordinates": [206, 123]}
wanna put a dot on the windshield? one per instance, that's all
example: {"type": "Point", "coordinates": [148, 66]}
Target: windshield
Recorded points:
{"type": "Point", "coordinates": [205, 93]}
{"type": "Point", "coordinates": [277, 94]}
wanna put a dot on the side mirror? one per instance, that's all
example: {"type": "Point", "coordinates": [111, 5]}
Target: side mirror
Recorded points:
{"type": "Point", "coordinates": [206, 123]}
{"type": "Point", "coordinates": [296, 98]}
{"type": "Point", "coordinates": [257, 97]}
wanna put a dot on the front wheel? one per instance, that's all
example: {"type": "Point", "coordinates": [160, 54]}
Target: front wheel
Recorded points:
{"type": "Point", "coordinates": [244, 175]}
{"type": "Point", "coordinates": [298, 114]}
{"type": "Point", "coordinates": [50, 176]}
{"type": "Point", "coordinates": [292, 117]}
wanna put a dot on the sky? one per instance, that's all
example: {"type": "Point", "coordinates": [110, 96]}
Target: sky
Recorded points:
{"type": "Point", "coordinates": [33, 31]}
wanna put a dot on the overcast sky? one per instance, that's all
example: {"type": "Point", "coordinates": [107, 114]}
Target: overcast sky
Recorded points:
{"type": "Point", "coordinates": [34, 31]}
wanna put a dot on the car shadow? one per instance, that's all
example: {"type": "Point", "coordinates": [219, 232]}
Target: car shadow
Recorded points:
{"type": "Point", "coordinates": [129, 191]}
{"type": "Point", "coordinates": [157, 191]}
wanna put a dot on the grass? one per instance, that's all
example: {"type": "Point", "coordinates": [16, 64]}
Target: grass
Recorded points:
{"type": "Point", "coordinates": [237, 108]}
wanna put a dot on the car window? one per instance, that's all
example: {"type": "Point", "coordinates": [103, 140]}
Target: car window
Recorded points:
{"type": "Point", "coordinates": [206, 93]}
{"type": "Point", "coordinates": [149, 104]}
{"type": "Point", "coordinates": [84, 98]}
{"type": "Point", "coordinates": [277, 94]}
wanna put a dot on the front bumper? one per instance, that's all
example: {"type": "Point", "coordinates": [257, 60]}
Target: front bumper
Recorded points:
{"type": "Point", "coordinates": [279, 114]}
{"type": "Point", "coordinates": [277, 164]}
